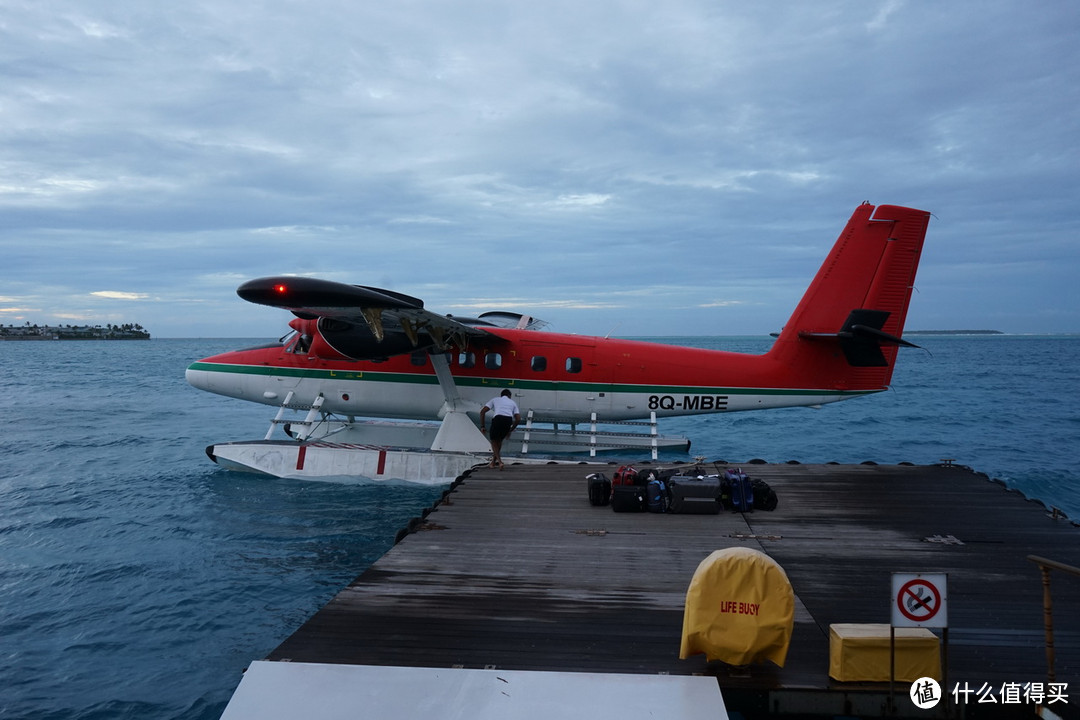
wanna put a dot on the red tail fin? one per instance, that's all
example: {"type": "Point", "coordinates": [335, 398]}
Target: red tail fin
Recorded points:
{"type": "Point", "coordinates": [845, 331]}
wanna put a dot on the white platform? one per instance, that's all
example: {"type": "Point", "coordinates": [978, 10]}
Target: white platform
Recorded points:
{"type": "Point", "coordinates": [326, 460]}
{"type": "Point", "coordinates": [304, 691]}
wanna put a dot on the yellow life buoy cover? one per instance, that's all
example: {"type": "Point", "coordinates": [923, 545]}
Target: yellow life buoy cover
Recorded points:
{"type": "Point", "coordinates": [740, 609]}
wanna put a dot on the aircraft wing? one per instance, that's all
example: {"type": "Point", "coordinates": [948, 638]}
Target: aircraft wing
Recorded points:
{"type": "Point", "coordinates": [364, 322]}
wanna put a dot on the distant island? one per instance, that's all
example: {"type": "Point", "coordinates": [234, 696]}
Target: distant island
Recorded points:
{"type": "Point", "coordinates": [953, 332]}
{"type": "Point", "coordinates": [129, 331]}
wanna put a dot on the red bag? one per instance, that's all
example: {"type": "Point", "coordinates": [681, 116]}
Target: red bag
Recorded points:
{"type": "Point", "coordinates": [625, 475]}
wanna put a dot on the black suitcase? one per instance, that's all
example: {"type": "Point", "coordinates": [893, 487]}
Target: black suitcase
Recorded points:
{"type": "Point", "coordinates": [694, 495]}
{"type": "Point", "coordinates": [628, 498]}
{"type": "Point", "coordinates": [599, 489]}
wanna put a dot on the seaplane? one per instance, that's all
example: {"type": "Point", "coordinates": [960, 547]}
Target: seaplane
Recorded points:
{"type": "Point", "coordinates": [370, 383]}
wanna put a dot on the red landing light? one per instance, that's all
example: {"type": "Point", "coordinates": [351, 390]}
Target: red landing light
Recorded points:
{"type": "Point", "coordinates": [281, 289]}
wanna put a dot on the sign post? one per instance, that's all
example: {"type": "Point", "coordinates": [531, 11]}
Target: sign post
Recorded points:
{"type": "Point", "coordinates": [921, 600]}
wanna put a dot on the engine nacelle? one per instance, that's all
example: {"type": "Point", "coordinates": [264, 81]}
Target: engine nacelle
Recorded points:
{"type": "Point", "coordinates": [356, 341]}
{"type": "Point", "coordinates": [312, 342]}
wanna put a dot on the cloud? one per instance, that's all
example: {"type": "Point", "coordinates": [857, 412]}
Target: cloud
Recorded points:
{"type": "Point", "coordinates": [518, 304]}
{"type": "Point", "coordinates": [885, 10]}
{"type": "Point", "coordinates": [421, 220]}
{"type": "Point", "coordinates": [563, 153]}
{"type": "Point", "coordinates": [722, 303]}
{"type": "Point", "coordinates": [587, 200]}
{"type": "Point", "coordinates": [294, 230]}
{"type": "Point", "coordinates": [117, 295]}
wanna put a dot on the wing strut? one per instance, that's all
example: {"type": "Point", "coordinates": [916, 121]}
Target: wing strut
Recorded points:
{"type": "Point", "coordinates": [458, 432]}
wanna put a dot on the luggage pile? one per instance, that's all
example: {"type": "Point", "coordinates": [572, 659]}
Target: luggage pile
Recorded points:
{"type": "Point", "coordinates": [670, 491]}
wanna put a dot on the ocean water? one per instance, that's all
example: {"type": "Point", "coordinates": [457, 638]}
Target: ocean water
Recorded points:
{"type": "Point", "coordinates": [138, 580]}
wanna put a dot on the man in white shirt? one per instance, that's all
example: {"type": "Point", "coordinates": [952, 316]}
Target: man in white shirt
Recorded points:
{"type": "Point", "coordinates": [506, 415]}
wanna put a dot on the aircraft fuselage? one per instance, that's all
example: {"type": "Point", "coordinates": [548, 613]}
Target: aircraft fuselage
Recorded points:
{"type": "Point", "coordinates": [558, 377]}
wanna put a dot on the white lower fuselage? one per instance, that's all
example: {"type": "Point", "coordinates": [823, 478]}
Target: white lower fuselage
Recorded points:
{"type": "Point", "coordinates": [416, 396]}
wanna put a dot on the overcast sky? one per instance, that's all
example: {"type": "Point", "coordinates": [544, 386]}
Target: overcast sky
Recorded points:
{"type": "Point", "coordinates": [632, 167]}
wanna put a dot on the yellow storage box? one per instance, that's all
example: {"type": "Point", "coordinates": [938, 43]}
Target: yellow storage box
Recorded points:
{"type": "Point", "coordinates": [860, 653]}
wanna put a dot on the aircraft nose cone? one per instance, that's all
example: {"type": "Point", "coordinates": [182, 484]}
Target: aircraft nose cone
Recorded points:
{"type": "Point", "coordinates": [198, 378]}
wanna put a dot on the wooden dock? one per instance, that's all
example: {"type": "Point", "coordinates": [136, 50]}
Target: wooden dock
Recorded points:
{"type": "Point", "coordinates": [516, 570]}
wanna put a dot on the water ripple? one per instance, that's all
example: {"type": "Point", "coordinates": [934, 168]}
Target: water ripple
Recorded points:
{"type": "Point", "coordinates": [137, 580]}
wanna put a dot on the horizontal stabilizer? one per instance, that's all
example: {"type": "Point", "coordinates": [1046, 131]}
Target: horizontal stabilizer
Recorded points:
{"type": "Point", "coordinates": [861, 338]}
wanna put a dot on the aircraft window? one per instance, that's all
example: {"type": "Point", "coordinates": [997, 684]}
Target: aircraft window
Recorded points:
{"type": "Point", "coordinates": [493, 361]}
{"type": "Point", "coordinates": [419, 358]}
{"type": "Point", "coordinates": [467, 359]}
{"type": "Point", "coordinates": [573, 365]}
{"type": "Point", "coordinates": [302, 344]}
{"type": "Point", "coordinates": [539, 363]}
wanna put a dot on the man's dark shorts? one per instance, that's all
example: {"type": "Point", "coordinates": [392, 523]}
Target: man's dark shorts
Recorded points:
{"type": "Point", "coordinates": [500, 427]}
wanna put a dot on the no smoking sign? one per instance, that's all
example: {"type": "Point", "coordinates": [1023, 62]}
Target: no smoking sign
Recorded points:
{"type": "Point", "coordinates": [919, 600]}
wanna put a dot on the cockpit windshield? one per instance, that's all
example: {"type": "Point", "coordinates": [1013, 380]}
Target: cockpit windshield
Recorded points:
{"type": "Point", "coordinates": [298, 343]}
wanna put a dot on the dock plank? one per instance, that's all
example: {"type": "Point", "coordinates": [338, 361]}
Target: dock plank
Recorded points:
{"type": "Point", "coordinates": [516, 570]}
